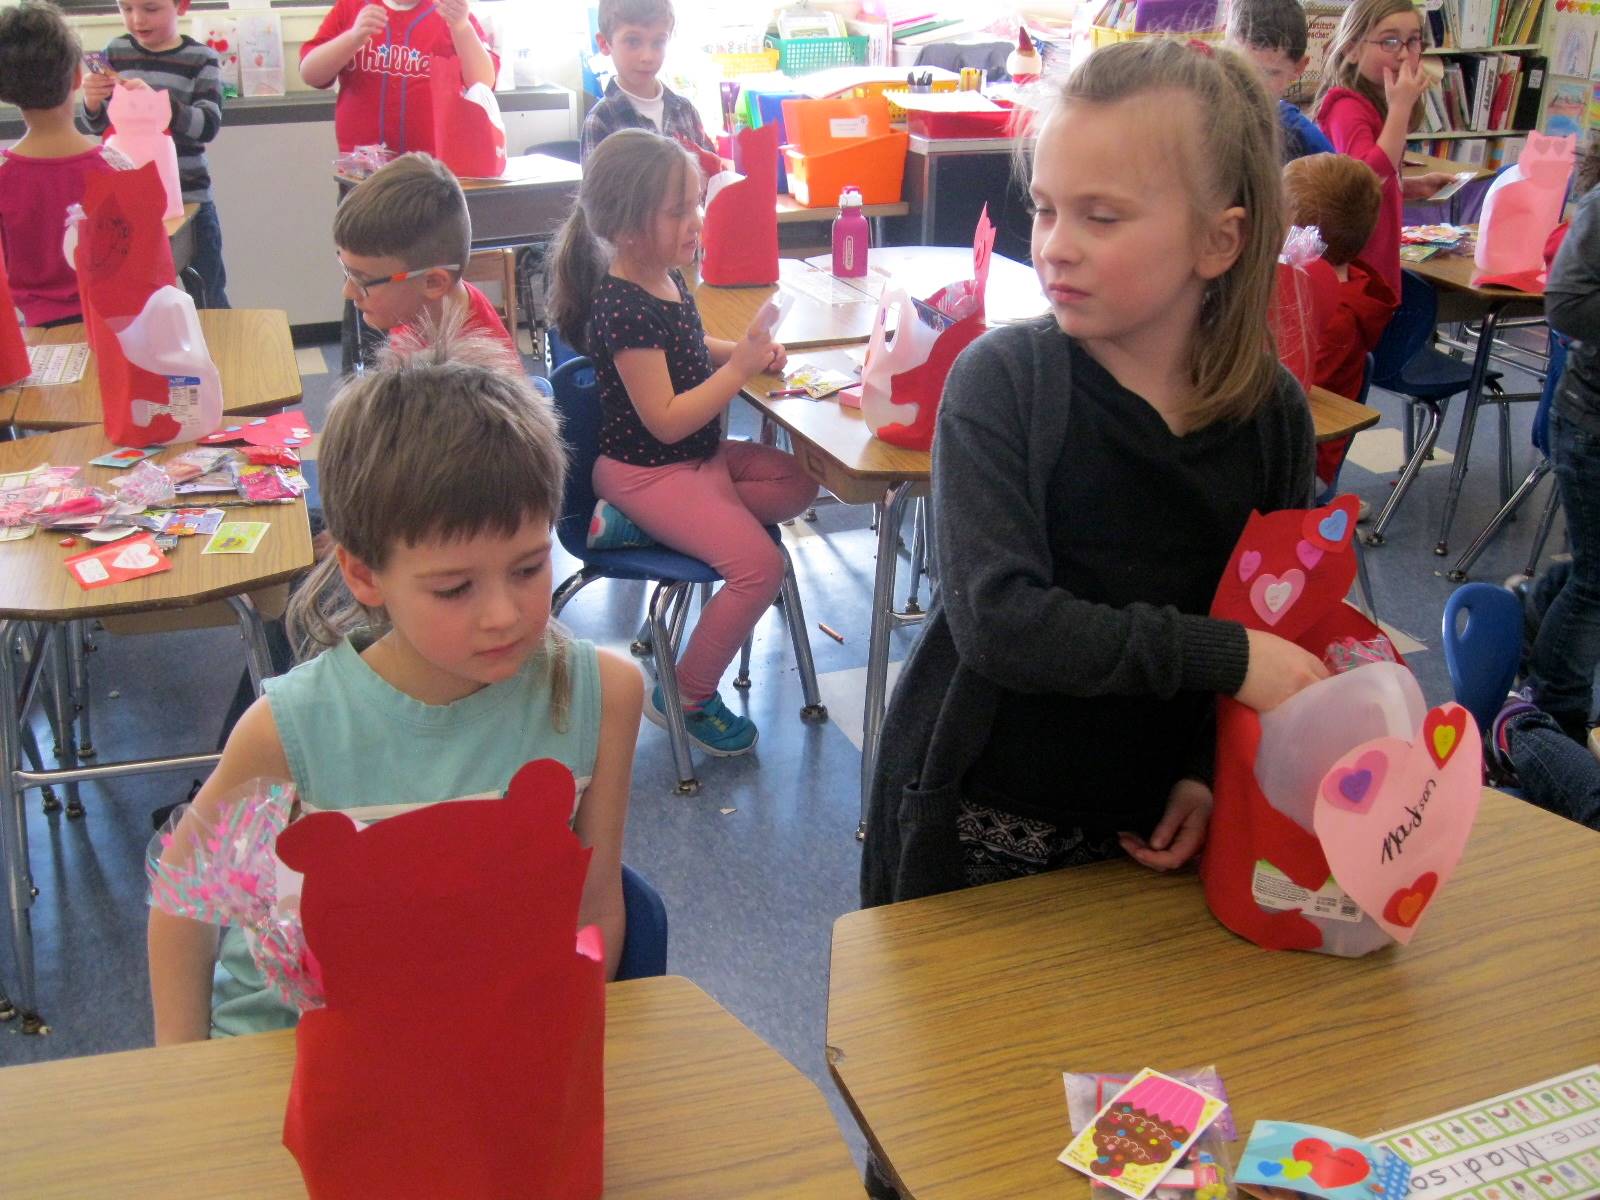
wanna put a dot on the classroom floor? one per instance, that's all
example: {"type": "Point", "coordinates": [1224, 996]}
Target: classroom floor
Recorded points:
{"type": "Point", "coordinates": [754, 869]}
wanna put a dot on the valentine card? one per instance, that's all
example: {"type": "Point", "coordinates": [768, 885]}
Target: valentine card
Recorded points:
{"type": "Point", "coordinates": [1139, 1136]}
{"type": "Point", "coordinates": [117, 563]}
{"type": "Point", "coordinates": [237, 537]}
{"type": "Point", "coordinates": [1285, 1159]}
{"type": "Point", "coordinates": [126, 456]}
{"type": "Point", "coordinates": [1394, 816]}
{"type": "Point", "coordinates": [281, 429]}
{"type": "Point", "coordinates": [187, 522]}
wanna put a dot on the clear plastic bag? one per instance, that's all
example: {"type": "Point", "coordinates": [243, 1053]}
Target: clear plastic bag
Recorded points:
{"type": "Point", "coordinates": [1205, 1168]}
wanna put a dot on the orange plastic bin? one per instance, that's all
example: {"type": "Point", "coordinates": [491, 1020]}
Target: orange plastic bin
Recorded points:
{"type": "Point", "coordinates": [838, 143]}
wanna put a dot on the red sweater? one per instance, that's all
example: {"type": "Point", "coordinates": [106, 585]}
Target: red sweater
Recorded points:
{"type": "Point", "coordinates": [383, 89]}
{"type": "Point", "coordinates": [482, 318]}
{"type": "Point", "coordinates": [34, 195]}
{"type": "Point", "coordinates": [1352, 123]}
{"type": "Point", "coordinates": [1355, 322]}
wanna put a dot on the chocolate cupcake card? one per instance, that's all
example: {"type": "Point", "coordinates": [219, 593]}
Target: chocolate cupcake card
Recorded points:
{"type": "Point", "coordinates": [1142, 1132]}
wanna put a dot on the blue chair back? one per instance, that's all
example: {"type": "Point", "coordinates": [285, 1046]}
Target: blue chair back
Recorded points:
{"type": "Point", "coordinates": [644, 947]}
{"type": "Point", "coordinates": [1547, 394]}
{"type": "Point", "coordinates": [1409, 330]}
{"type": "Point", "coordinates": [1482, 643]}
{"type": "Point", "coordinates": [578, 402]}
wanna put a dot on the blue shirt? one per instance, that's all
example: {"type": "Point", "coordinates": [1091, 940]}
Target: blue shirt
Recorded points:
{"type": "Point", "coordinates": [1300, 133]}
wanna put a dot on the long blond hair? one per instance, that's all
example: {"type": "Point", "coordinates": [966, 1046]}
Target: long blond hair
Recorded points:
{"type": "Point", "coordinates": [1233, 366]}
{"type": "Point", "coordinates": [1340, 70]}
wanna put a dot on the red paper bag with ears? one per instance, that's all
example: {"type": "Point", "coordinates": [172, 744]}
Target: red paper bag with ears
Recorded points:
{"type": "Point", "coordinates": [123, 258]}
{"type": "Point", "coordinates": [740, 238]}
{"type": "Point", "coordinates": [460, 1052]}
{"type": "Point", "coordinates": [14, 365]}
{"type": "Point", "coordinates": [469, 134]}
{"type": "Point", "coordinates": [1288, 575]}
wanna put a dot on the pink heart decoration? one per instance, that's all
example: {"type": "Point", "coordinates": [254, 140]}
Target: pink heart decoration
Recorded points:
{"type": "Point", "coordinates": [1249, 564]}
{"type": "Point", "coordinates": [1308, 554]}
{"type": "Point", "coordinates": [1273, 595]}
{"type": "Point", "coordinates": [1388, 815]}
{"type": "Point", "coordinates": [136, 557]}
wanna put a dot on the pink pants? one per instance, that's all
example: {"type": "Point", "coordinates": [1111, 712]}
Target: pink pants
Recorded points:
{"type": "Point", "coordinates": [716, 510]}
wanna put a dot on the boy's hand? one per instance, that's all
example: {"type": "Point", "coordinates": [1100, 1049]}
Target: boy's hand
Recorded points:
{"type": "Point", "coordinates": [1180, 833]}
{"type": "Point", "coordinates": [1420, 187]}
{"type": "Point", "coordinates": [455, 12]}
{"type": "Point", "coordinates": [97, 88]}
{"type": "Point", "coordinates": [135, 85]}
{"type": "Point", "coordinates": [370, 21]}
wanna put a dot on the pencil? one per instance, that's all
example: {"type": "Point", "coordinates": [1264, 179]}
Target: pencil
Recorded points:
{"type": "Point", "coordinates": [786, 392]}
{"type": "Point", "coordinates": [831, 632]}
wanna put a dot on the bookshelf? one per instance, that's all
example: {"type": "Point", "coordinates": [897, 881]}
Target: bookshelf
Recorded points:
{"type": "Point", "coordinates": [1452, 51]}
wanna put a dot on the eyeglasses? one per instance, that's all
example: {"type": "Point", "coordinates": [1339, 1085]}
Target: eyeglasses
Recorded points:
{"type": "Point", "coordinates": [1393, 44]}
{"type": "Point", "coordinates": [363, 286]}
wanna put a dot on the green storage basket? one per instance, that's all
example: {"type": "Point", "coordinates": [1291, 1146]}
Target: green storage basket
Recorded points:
{"type": "Point", "coordinates": [801, 56]}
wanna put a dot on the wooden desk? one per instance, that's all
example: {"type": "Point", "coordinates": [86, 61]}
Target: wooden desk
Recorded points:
{"type": "Point", "coordinates": [180, 239]}
{"type": "Point", "coordinates": [727, 312]}
{"type": "Point", "coordinates": [251, 347]}
{"type": "Point", "coordinates": [1461, 299]}
{"type": "Point", "coordinates": [1334, 417]}
{"type": "Point", "coordinates": [696, 1106]}
{"type": "Point", "coordinates": [1013, 292]}
{"type": "Point", "coordinates": [951, 1019]}
{"type": "Point", "coordinates": [35, 587]}
{"type": "Point", "coordinates": [528, 202]}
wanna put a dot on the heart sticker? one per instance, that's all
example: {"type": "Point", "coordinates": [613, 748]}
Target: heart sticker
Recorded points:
{"type": "Point", "coordinates": [136, 557]}
{"type": "Point", "coordinates": [1274, 595]}
{"type": "Point", "coordinates": [1394, 817]}
{"type": "Point", "coordinates": [1442, 733]}
{"type": "Point", "coordinates": [1332, 1168]}
{"type": "Point", "coordinates": [1308, 554]}
{"type": "Point", "coordinates": [1271, 1168]}
{"type": "Point", "coordinates": [1249, 564]}
{"type": "Point", "coordinates": [1355, 787]}
{"type": "Point", "coordinates": [1295, 1169]}
{"type": "Point", "coordinates": [1329, 528]}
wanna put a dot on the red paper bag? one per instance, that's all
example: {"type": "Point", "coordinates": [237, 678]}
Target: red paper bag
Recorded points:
{"type": "Point", "coordinates": [740, 237]}
{"type": "Point", "coordinates": [469, 135]}
{"type": "Point", "coordinates": [460, 1052]}
{"type": "Point", "coordinates": [1305, 296]}
{"type": "Point", "coordinates": [14, 365]}
{"type": "Point", "coordinates": [1288, 575]}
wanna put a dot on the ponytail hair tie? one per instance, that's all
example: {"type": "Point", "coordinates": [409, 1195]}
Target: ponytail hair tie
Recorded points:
{"type": "Point", "coordinates": [1203, 49]}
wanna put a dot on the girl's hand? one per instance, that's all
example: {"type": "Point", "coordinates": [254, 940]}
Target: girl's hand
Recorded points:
{"type": "Point", "coordinates": [1278, 669]}
{"type": "Point", "coordinates": [370, 21]}
{"type": "Point", "coordinates": [1180, 833]}
{"type": "Point", "coordinates": [97, 88]}
{"type": "Point", "coordinates": [1420, 187]}
{"type": "Point", "coordinates": [1403, 88]}
{"type": "Point", "coordinates": [780, 359]}
{"type": "Point", "coordinates": [754, 354]}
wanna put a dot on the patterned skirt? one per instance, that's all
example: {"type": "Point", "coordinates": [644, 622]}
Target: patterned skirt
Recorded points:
{"type": "Point", "coordinates": [998, 845]}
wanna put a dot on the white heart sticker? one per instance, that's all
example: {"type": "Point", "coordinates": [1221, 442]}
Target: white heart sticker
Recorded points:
{"type": "Point", "coordinates": [136, 557]}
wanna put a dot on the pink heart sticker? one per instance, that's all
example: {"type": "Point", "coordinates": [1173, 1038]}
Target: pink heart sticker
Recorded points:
{"type": "Point", "coordinates": [1249, 564]}
{"type": "Point", "coordinates": [1273, 595]}
{"type": "Point", "coordinates": [1308, 554]}
{"type": "Point", "coordinates": [1355, 787]}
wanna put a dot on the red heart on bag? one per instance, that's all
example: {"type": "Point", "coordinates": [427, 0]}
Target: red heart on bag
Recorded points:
{"type": "Point", "coordinates": [1406, 905]}
{"type": "Point", "coordinates": [1332, 1168]}
{"type": "Point", "coordinates": [1331, 526]}
{"type": "Point", "coordinates": [1442, 731]}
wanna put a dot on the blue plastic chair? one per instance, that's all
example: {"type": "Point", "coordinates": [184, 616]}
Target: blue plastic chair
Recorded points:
{"type": "Point", "coordinates": [1541, 468]}
{"type": "Point", "coordinates": [674, 574]}
{"type": "Point", "coordinates": [1406, 362]}
{"type": "Point", "coordinates": [644, 945]}
{"type": "Point", "coordinates": [1482, 633]}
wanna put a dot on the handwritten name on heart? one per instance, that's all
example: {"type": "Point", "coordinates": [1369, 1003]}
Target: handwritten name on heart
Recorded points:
{"type": "Point", "coordinates": [1394, 817]}
{"type": "Point", "coordinates": [1274, 595]}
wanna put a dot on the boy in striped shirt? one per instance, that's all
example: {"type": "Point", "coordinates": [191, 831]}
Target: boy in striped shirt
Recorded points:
{"type": "Point", "coordinates": [154, 54]}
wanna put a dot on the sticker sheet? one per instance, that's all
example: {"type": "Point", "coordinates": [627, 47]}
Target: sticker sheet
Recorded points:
{"type": "Point", "coordinates": [237, 537]}
{"type": "Point", "coordinates": [1142, 1133]}
{"type": "Point", "coordinates": [1537, 1143]}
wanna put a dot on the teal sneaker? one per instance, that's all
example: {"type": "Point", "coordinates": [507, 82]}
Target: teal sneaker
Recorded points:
{"type": "Point", "coordinates": [710, 725]}
{"type": "Point", "coordinates": [612, 529]}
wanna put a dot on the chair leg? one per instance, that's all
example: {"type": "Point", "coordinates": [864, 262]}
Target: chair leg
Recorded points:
{"type": "Point", "coordinates": [742, 679]}
{"type": "Point", "coordinates": [30, 747]}
{"type": "Point", "coordinates": [60, 665]}
{"type": "Point", "coordinates": [1364, 581]}
{"type": "Point", "coordinates": [1470, 404]}
{"type": "Point", "coordinates": [1409, 475]}
{"type": "Point", "coordinates": [919, 544]}
{"type": "Point", "coordinates": [679, 620]}
{"type": "Point", "coordinates": [257, 654]}
{"type": "Point", "coordinates": [1546, 520]}
{"type": "Point", "coordinates": [665, 598]}
{"type": "Point", "coordinates": [1459, 572]}
{"type": "Point", "coordinates": [18, 882]}
{"type": "Point", "coordinates": [795, 615]}
{"type": "Point", "coordinates": [1505, 450]}
{"type": "Point", "coordinates": [570, 587]}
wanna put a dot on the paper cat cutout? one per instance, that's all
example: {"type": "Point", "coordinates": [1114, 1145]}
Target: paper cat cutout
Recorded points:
{"type": "Point", "coordinates": [139, 119]}
{"type": "Point", "coordinates": [1521, 208]}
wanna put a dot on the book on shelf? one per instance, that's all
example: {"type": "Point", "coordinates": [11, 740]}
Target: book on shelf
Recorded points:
{"type": "Point", "coordinates": [1525, 111]}
{"type": "Point", "coordinates": [1482, 93]}
{"type": "Point", "coordinates": [1470, 25]}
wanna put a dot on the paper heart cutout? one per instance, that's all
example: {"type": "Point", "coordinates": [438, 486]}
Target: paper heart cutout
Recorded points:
{"type": "Point", "coordinates": [1332, 1168]}
{"type": "Point", "coordinates": [1406, 905]}
{"type": "Point", "coordinates": [1329, 527]}
{"type": "Point", "coordinates": [1392, 844]}
{"type": "Point", "coordinates": [136, 557]}
{"type": "Point", "coordinates": [1274, 595]}
{"type": "Point", "coordinates": [1354, 788]}
{"type": "Point", "coordinates": [1270, 1169]}
{"type": "Point", "coordinates": [1442, 732]}
{"type": "Point", "coordinates": [1249, 564]}
{"type": "Point", "coordinates": [1308, 554]}
{"type": "Point", "coordinates": [1294, 1169]}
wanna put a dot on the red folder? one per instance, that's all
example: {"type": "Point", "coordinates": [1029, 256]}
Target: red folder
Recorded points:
{"type": "Point", "coordinates": [739, 240]}
{"type": "Point", "coordinates": [460, 1052]}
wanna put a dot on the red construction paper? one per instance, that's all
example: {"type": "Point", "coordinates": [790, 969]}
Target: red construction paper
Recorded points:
{"type": "Point", "coordinates": [289, 428]}
{"type": "Point", "coordinates": [118, 562]}
{"type": "Point", "coordinates": [465, 136]}
{"type": "Point", "coordinates": [740, 237]}
{"type": "Point", "coordinates": [122, 258]}
{"type": "Point", "coordinates": [460, 1051]}
{"type": "Point", "coordinates": [1288, 575]}
{"type": "Point", "coordinates": [13, 350]}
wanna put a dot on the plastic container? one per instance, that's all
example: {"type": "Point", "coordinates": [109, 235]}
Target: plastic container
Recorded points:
{"type": "Point", "coordinates": [734, 65]}
{"type": "Point", "coordinates": [166, 341]}
{"type": "Point", "coordinates": [838, 143]}
{"type": "Point", "coordinates": [801, 56]}
{"type": "Point", "coordinates": [852, 237]}
{"type": "Point", "coordinates": [961, 124]}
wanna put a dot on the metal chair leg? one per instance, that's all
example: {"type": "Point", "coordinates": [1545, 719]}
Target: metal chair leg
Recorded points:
{"type": "Point", "coordinates": [78, 648]}
{"type": "Point", "coordinates": [665, 598]}
{"type": "Point", "coordinates": [1463, 564]}
{"type": "Point", "coordinates": [257, 654]}
{"type": "Point", "coordinates": [919, 543]}
{"type": "Point", "coordinates": [1364, 581]}
{"type": "Point", "coordinates": [794, 614]}
{"type": "Point", "coordinates": [742, 679]}
{"type": "Point", "coordinates": [60, 665]}
{"type": "Point", "coordinates": [1546, 520]}
{"type": "Point", "coordinates": [1409, 475]}
{"type": "Point", "coordinates": [18, 882]}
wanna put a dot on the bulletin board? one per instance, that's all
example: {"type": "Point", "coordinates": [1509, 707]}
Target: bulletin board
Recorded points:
{"type": "Point", "coordinates": [1322, 18]}
{"type": "Point", "coordinates": [1573, 103]}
